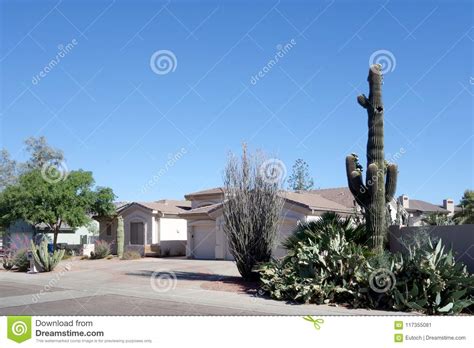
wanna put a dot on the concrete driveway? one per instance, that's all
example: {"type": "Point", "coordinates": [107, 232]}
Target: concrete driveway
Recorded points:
{"type": "Point", "coordinates": [149, 286]}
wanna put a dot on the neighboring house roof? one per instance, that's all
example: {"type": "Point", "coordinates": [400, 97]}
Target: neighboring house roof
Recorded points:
{"type": "Point", "coordinates": [314, 201]}
{"type": "Point", "coordinates": [311, 201]}
{"type": "Point", "coordinates": [212, 191]}
{"type": "Point", "coordinates": [64, 227]}
{"type": "Point", "coordinates": [178, 203]}
{"type": "Point", "coordinates": [424, 207]}
{"type": "Point", "coordinates": [120, 205]}
{"type": "Point", "coordinates": [341, 195]}
{"type": "Point", "coordinates": [202, 210]}
{"type": "Point", "coordinates": [166, 206]}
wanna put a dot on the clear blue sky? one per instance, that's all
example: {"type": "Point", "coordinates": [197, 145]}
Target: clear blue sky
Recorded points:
{"type": "Point", "coordinates": [101, 103]}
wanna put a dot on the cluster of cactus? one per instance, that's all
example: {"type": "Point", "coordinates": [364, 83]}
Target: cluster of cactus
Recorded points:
{"type": "Point", "coordinates": [120, 237]}
{"type": "Point", "coordinates": [381, 177]}
{"type": "Point", "coordinates": [43, 259]}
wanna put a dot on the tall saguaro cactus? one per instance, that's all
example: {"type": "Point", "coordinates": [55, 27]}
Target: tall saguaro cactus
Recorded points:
{"type": "Point", "coordinates": [120, 237]}
{"type": "Point", "coordinates": [381, 178]}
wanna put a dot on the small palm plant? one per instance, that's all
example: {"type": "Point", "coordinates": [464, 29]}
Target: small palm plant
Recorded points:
{"type": "Point", "coordinates": [329, 223]}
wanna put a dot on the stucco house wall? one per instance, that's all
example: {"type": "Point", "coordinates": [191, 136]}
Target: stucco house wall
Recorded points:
{"type": "Point", "coordinates": [206, 237]}
{"type": "Point", "coordinates": [164, 234]}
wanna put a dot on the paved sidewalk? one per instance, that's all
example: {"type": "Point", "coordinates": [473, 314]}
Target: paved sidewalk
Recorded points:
{"type": "Point", "coordinates": [149, 286]}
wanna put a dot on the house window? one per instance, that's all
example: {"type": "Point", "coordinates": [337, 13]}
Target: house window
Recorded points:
{"type": "Point", "coordinates": [109, 230]}
{"type": "Point", "coordinates": [136, 233]}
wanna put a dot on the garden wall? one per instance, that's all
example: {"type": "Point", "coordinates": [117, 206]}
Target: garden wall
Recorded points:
{"type": "Point", "coordinates": [459, 237]}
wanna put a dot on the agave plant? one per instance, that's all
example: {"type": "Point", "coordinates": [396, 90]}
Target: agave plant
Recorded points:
{"type": "Point", "coordinates": [45, 260]}
{"type": "Point", "coordinates": [433, 282]}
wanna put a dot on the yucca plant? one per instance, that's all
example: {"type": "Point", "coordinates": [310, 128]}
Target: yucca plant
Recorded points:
{"type": "Point", "coordinates": [45, 260]}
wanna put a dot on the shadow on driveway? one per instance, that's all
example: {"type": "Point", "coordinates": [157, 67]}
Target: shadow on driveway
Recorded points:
{"type": "Point", "coordinates": [210, 281]}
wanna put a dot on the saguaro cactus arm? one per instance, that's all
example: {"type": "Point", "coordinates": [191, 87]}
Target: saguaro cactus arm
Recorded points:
{"type": "Point", "coordinates": [371, 179]}
{"type": "Point", "coordinates": [363, 101]}
{"type": "Point", "coordinates": [391, 182]}
{"type": "Point", "coordinates": [354, 178]}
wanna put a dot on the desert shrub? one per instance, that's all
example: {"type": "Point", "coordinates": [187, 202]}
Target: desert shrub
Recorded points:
{"type": "Point", "coordinates": [101, 250]}
{"type": "Point", "coordinates": [131, 255]}
{"type": "Point", "coordinates": [20, 260]}
{"type": "Point", "coordinates": [68, 253]}
{"type": "Point", "coordinates": [321, 268]}
{"type": "Point", "coordinates": [327, 268]}
{"type": "Point", "coordinates": [251, 209]}
{"type": "Point", "coordinates": [7, 261]}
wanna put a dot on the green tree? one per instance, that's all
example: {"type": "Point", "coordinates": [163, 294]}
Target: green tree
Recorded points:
{"type": "Point", "coordinates": [438, 219]}
{"type": "Point", "coordinates": [300, 180]}
{"type": "Point", "coordinates": [466, 214]}
{"type": "Point", "coordinates": [70, 200]}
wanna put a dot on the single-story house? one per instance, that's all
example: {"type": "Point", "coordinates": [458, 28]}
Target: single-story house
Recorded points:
{"type": "Point", "coordinates": [206, 238]}
{"type": "Point", "coordinates": [419, 210]}
{"type": "Point", "coordinates": [18, 235]}
{"type": "Point", "coordinates": [151, 228]}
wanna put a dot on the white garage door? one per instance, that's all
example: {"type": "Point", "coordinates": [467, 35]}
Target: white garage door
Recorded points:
{"type": "Point", "coordinates": [204, 242]}
{"type": "Point", "coordinates": [228, 255]}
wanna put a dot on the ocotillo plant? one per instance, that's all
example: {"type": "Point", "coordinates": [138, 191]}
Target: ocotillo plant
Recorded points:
{"type": "Point", "coordinates": [381, 178]}
{"type": "Point", "coordinates": [120, 237]}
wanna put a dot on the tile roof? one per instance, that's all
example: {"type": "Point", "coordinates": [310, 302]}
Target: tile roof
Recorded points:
{"type": "Point", "coordinates": [167, 206]}
{"type": "Point", "coordinates": [309, 200]}
{"type": "Point", "coordinates": [202, 210]}
{"type": "Point", "coordinates": [315, 201]}
{"type": "Point", "coordinates": [418, 205]}
{"type": "Point", "coordinates": [341, 195]}
{"type": "Point", "coordinates": [212, 191]}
